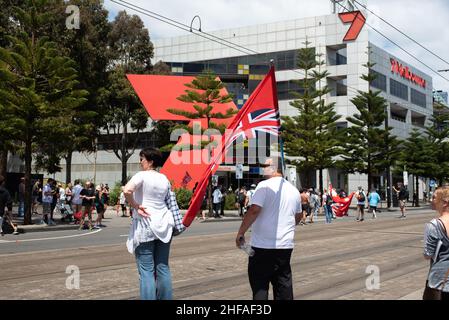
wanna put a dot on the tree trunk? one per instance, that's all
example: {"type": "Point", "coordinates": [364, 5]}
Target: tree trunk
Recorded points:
{"type": "Point", "coordinates": [3, 162]}
{"type": "Point", "coordinates": [417, 191]}
{"type": "Point", "coordinates": [124, 156]}
{"type": "Point", "coordinates": [321, 181]}
{"type": "Point", "coordinates": [68, 167]}
{"type": "Point", "coordinates": [28, 160]}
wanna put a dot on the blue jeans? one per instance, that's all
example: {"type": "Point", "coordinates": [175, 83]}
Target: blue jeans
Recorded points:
{"type": "Point", "coordinates": [328, 212]}
{"type": "Point", "coordinates": [21, 212]}
{"type": "Point", "coordinates": [154, 272]}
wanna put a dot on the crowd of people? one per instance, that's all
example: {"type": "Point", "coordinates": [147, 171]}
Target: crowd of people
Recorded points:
{"type": "Point", "coordinates": [74, 202]}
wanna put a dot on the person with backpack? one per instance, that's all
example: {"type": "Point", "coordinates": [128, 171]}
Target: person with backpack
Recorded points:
{"type": "Point", "coordinates": [361, 199]}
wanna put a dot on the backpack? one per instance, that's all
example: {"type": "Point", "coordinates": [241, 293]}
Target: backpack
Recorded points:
{"type": "Point", "coordinates": [361, 196]}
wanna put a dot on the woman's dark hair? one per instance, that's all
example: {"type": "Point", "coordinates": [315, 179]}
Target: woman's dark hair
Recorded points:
{"type": "Point", "coordinates": [152, 154]}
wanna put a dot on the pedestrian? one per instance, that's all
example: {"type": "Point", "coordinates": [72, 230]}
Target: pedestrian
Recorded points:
{"type": "Point", "coordinates": [88, 197]}
{"type": "Point", "coordinates": [5, 202]}
{"type": "Point", "coordinates": [373, 199]}
{"type": "Point", "coordinates": [76, 199]}
{"type": "Point", "coordinates": [68, 195]}
{"type": "Point", "coordinates": [436, 248]}
{"type": "Point", "coordinates": [224, 193]}
{"type": "Point", "coordinates": [122, 201]}
{"type": "Point", "coordinates": [21, 212]}
{"type": "Point", "coordinates": [241, 198]}
{"type": "Point", "coordinates": [99, 207]}
{"type": "Point", "coordinates": [216, 201]}
{"type": "Point", "coordinates": [154, 205]}
{"type": "Point", "coordinates": [361, 199]}
{"type": "Point", "coordinates": [105, 196]}
{"type": "Point", "coordinates": [275, 212]}
{"type": "Point", "coordinates": [55, 201]}
{"type": "Point", "coordinates": [305, 205]}
{"type": "Point", "coordinates": [35, 191]}
{"type": "Point", "coordinates": [402, 195]}
{"type": "Point", "coordinates": [327, 205]}
{"type": "Point", "coordinates": [47, 200]}
{"type": "Point", "coordinates": [314, 204]}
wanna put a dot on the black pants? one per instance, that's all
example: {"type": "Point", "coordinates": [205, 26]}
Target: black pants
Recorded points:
{"type": "Point", "coordinates": [271, 266]}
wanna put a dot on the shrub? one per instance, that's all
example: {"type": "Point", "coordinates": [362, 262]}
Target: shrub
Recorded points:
{"type": "Point", "coordinates": [183, 197]}
{"type": "Point", "coordinates": [114, 194]}
{"type": "Point", "coordinates": [230, 202]}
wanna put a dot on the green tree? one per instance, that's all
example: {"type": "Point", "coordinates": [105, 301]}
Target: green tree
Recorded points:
{"type": "Point", "coordinates": [204, 94]}
{"type": "Point", "coordinates": [87, 46]}
{"type": "Point", "coordinates": [41, 87]}
{"type": "Point", "coordinates": [130, 51]}
{"type": "Point", "coordinates": [418, 157]}
{"type": "Point", "coordinates": [438, 134]}
{"type": "Point", "coordinates": [312, 135]}
{"type": "Point", "coordinates": [370, 147]}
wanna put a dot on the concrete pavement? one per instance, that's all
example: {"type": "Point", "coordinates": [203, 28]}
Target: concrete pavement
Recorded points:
{"type": "Point", "coordinates": [330, 262]}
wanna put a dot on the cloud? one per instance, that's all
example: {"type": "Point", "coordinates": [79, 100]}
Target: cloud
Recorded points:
{"type": "Point", "coordinates": [425, 21]}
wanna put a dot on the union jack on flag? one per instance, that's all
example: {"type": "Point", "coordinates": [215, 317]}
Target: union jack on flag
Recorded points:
{"type": "Point", "coordinates": [267, 121]}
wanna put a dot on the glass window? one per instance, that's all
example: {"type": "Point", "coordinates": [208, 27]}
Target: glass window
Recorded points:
{"type": "Point", "coordinates": [418, 98]}
{"type": "Point", "coordinates": [380, 82]}
{"type": "Point", "coordinates": [398, 89]}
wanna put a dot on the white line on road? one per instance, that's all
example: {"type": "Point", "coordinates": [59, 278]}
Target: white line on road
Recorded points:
{"type": "Point", "coordinates": [54, 238]}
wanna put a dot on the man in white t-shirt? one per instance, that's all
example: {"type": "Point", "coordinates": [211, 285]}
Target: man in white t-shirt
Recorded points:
{"type": "Point", "coordinates": [216, 200]}
{"type": "Point", "coordinates": [275, 211]}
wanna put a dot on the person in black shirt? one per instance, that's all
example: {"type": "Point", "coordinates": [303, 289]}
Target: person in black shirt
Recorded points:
{"type": "Point", "coordinates": [5, 201]}
{"type": "Point", "coordinates": [88, 197]}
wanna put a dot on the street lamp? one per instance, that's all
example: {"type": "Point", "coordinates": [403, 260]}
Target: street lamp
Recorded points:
{"type": "Point", "coordinates": [191, 23]}
{"type": "Point", "coordinates": [446, 70]}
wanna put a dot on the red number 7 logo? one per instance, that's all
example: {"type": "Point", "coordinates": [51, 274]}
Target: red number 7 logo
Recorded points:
{"type": "Point", "coordinates": [358, 21]}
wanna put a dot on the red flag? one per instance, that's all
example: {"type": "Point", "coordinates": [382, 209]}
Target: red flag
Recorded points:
{"type": "Point", "coordinates": [341, 205]}
{"type": "Point", "coordinates": [259, 114]}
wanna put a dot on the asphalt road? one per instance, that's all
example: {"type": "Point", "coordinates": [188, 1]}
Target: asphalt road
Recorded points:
{"type": "Point", "coordinates": [329, 261]}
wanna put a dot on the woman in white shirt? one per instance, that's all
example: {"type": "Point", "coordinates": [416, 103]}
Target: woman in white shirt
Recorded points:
{"type": "Point", "coordinates": [151, 231]}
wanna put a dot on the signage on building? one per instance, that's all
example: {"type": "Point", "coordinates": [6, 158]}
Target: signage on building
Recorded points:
{"type": "Point", "coordinates": [406, 73]}
{"type": "Point", "coordinates": [405, 178]}
{"type": "Point", "coordinates": [357, 20]}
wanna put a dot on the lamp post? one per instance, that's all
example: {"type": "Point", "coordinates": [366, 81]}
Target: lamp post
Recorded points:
{"type": "Point", "coordinates": [191, 23]}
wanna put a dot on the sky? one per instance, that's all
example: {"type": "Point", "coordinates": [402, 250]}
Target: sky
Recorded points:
{"type": "Point", "coordinates": [424, 21]}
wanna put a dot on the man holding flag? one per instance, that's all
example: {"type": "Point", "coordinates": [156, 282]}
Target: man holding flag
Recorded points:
{"type": "Point", "coordinates": [275, 212]}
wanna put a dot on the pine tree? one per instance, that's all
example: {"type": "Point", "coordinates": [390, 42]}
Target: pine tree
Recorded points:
{"type": "Point", "coordinates": [312, 136]}
{"type": "Point", "coordinates": [41, 89]}
{"type": "Point", "coordinates": [204, 92]}
{"type": "Point", "coordinates": [438, 134]}
{"type": "Point", "coordinates": [130, 51]}
{"type": "Point", "coordinates": [370, 147]}
{"type": "Point", "coordinates": [418, 157]}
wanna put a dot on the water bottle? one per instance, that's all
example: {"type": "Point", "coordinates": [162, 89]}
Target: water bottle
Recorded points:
{"type": "Point", "coordinates": [246, 247]}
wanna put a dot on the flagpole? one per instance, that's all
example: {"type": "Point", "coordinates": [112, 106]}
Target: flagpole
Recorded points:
{"type": "Point", "coordinates": [281, 142]}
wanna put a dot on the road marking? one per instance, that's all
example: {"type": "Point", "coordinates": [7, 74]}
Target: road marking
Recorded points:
{"type": "Point", "coordinates": [54, 238]}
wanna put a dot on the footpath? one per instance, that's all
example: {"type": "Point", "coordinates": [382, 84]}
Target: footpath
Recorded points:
{"type": "Point", "coordinates": [229, 215]}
